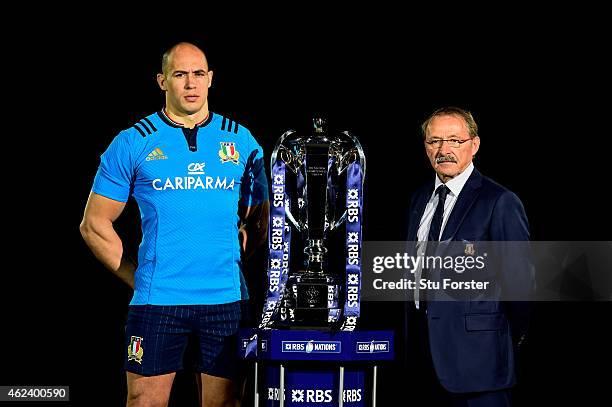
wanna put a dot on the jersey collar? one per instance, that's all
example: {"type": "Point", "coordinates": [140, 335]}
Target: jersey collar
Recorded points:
{"type": "Point", "coordinates": [162, 115]}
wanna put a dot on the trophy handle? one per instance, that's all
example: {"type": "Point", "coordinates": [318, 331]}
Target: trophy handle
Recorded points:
{"type": "Point", "coordinates": [343, 166]}
{"type": "Point", "coordinates": [284, 151]}
{"type": "Point", "coordinates": [362, 159]}
{"type": "Point", "coordinates": [291, 162]}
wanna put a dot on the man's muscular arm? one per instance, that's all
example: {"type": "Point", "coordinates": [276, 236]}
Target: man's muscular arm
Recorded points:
{"type": "Point", "coordinates": [99, 234]}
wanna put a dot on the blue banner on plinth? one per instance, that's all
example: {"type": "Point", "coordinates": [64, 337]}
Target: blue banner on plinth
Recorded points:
{"type": "Point", "coordinates": [277, 344]}
{"type": "Point", "coordinates": [314, 387]}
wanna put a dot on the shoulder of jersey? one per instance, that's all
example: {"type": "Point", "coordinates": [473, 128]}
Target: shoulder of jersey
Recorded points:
{"type": "Point", "coordinates": [229, 126]}
{"type": "Point", "coordinates": [144, 127]}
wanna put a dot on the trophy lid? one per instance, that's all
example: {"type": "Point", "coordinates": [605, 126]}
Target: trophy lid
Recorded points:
{"type": "Point", "coordinates": [319, 125]}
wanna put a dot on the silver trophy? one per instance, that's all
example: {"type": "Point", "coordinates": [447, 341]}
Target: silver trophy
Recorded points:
{"type": "Point", "coordinates": [316, 180]}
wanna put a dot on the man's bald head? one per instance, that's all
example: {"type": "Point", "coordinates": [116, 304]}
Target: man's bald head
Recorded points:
{"type": "Point", "coordinates": [185, 79]}
{"type": "Point", "coordinates": [180, 47]}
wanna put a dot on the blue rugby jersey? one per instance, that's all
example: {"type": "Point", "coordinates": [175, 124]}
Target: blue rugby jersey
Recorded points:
{"type": "Point", "coordinates": [188, 184]}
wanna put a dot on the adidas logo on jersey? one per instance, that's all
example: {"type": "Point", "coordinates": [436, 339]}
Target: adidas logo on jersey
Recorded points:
{"type": "Point", "coordinates": [156, 154]}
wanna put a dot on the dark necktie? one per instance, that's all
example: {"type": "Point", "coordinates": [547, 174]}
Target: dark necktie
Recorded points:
{"type": "Point", "coordinates": [436, 221]}
{"type": "Point", "coordinates": [434, 234]}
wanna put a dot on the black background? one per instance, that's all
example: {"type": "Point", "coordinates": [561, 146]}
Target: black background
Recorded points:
{"type": "Point", "coordinates": [537, 85]}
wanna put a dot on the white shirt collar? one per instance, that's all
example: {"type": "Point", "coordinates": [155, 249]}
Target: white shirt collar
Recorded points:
{"type": "Point", "coordinates": [456, 184]}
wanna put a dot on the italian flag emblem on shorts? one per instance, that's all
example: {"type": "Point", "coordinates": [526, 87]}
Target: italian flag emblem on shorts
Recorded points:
{"type": "Point", "coordinates": [135, 350]}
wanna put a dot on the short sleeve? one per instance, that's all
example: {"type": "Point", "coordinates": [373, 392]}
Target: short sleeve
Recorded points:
{"type": "Point", "coordinates": [116, 171]}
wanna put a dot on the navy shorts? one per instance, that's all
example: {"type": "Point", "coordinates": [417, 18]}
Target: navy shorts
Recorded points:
{"type": "Point", "coordinates": [157, 338]}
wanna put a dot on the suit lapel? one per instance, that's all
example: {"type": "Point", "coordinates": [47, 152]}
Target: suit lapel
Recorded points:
{"type": "Point", "coordinates": [465, 200]}
{"type": "Point", "coordinates": [417, 211]}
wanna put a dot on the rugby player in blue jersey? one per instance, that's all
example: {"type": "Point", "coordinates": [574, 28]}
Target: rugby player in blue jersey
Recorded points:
{"type": "Point", "coordinates": [199, 181]}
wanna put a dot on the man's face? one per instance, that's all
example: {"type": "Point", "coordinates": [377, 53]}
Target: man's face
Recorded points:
{"type": "Point", "coordinates": [186, 81]}
{"type": "Point", "coordinates": [448, 162]}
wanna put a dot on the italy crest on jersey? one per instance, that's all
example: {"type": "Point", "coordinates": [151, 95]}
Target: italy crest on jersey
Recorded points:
{"type": "Point", "coordinates": [135, 350]}
{"type": "Point", "coordinates": [228, 152]}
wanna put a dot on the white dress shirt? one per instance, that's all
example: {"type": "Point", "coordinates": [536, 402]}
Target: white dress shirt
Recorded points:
{"type": "Point", "coordinates": [455, 186]}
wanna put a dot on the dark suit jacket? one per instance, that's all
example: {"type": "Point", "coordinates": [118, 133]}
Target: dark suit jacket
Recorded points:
{"type": "Point", "coordinates": [472, 341]}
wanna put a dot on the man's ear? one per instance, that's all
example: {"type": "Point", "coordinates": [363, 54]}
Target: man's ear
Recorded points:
{"type": "Point", "coordinates": [475, 145]}
{"type": "Point", "coordinates": [161, 81]}
{"type": "Point", "coordinates": [210, 76]}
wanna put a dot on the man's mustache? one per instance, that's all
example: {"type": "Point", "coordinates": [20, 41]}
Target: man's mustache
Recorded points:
{"type": "Point", "coordinates": [446, 159]}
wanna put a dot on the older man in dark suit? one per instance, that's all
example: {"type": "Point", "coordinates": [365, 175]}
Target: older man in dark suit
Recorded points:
{"type": "Point", "coordinates": [467, 345]}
